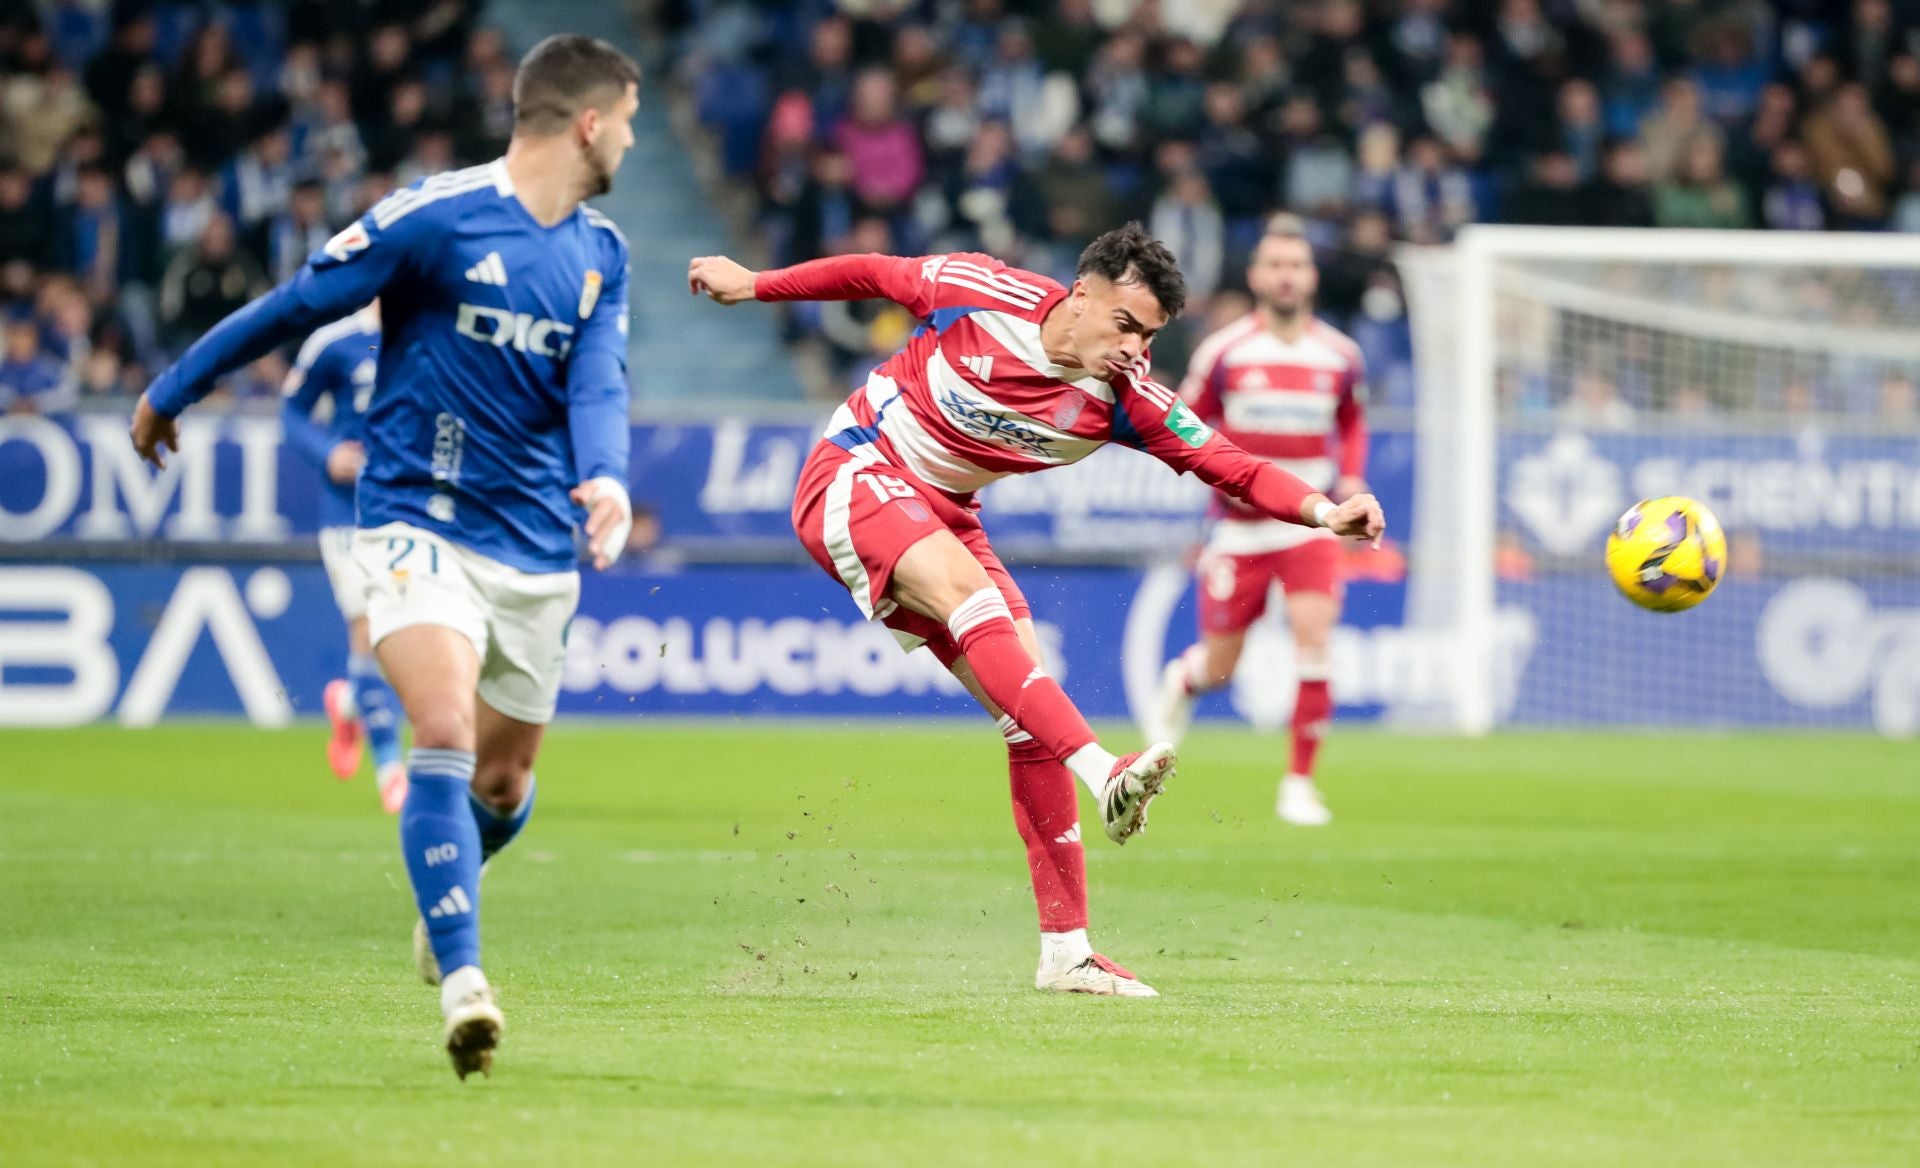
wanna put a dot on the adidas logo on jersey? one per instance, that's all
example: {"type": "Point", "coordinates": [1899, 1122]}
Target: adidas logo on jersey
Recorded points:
{"type": "Point", "coordinates": [982, 367]}
{"type": "Point", "coordinates": [452, 904]}
{"type": "Point", "coordinates": [489, 271]}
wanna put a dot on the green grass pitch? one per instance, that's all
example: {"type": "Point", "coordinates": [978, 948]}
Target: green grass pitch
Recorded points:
{"type": "Point", "coordinates": [748, 944]}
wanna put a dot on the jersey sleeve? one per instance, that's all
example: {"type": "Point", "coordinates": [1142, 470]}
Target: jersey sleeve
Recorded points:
{"type": "Point", "coordinates": [1149, 416]}
{"type": "Point", "coordinates": [353, 267]}
{"type": "Point", "coordinates": [921, 284]}
{"type": "Point", "coordinates": [300, 393]}
{"type": "Point", "coordinates": [597, 390]}
{"type": "Point", "coordinates": [1350, 420]}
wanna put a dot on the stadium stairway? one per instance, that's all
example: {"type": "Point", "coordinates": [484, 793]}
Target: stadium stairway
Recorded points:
{"type": "Point", "coordinates": [681, 349]}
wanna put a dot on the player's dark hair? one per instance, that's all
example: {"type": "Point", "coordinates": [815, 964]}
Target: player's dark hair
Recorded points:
{"type": "Point", "coordinates": [1128, 255]}
{"type": "Point", "coordinates": [565, 74]}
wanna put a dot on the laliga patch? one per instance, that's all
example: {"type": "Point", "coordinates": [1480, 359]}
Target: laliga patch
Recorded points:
{"type": "Point", "coordinates": [352, 238]}
{"type": "Point", "coordinates": [1190, 429]}
{"type": "Point", "coordinates": [589, 293]}
{"type": "Point", "coordinates": [916, 510]}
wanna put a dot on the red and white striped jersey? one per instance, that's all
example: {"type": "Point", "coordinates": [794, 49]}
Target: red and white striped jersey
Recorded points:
{"type": "Point", "coordinates": [1300, 404]}
{"type": "Point", "coordinates": [973, 397]}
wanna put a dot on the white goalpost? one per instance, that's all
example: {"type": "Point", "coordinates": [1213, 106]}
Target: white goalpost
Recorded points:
{"type": "Point", "coordinates": [1565, 373]}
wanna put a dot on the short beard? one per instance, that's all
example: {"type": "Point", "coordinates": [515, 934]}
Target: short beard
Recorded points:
{"type": "Point", "coordinates": [599, 175]}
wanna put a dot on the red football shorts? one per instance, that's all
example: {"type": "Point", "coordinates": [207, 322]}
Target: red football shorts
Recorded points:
{"type": "Point", "coordinates": [857, 515]}
{"type": "Point", "coordinates": [1233, 589]}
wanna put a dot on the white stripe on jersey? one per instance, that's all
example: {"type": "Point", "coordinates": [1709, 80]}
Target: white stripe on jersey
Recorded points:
{"type": "Point", "coordinates": [1007, 287]}
{"type": "Point", "coordinates": [962, 280]}
{"type": "Point", "coordinates": [1154, 392]}
{"type": "Point", "coordinates": [1022, 339]}
{"type": "Point", "coordinates": [317, 342]}
{"type": "Point", "coordinates": [596, 219]}
{"type": "Point", "coordinates": [441, 186]}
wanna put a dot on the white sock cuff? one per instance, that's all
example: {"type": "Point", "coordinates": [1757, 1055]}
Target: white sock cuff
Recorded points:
{"type": "Point", "coordinates": [1010, 730]}
{"type": "Point", "coordinates": [455, 764]}
{"type": "Point", "coordinates": [976, 610]}
{"type": "Point", "coordinates": [1321, 670]}
{"type": "Point", "coordinates": [1193, 667]}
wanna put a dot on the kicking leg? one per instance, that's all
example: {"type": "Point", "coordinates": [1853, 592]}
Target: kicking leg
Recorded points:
{"type": "Point", "coordinates": [1046, 814]}
{"type": "Point", "coordinates": [941, 579]}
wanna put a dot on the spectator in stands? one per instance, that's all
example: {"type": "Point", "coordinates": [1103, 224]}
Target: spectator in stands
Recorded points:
{"type": "Point", "coordinates": [1079, 202]}
{"type": "Point", "coordinates": [91, 234]}
{"type": "Point", "coordinates": [26, 230]}
{"type": "Point", "coordinates": [1906, 211]}
{"type": "Point", "coordinates": [207, 282]}
{"type": "Point", "coordinates": [1189, 222]}
{"type": "Point", "coordinates": [188, 208]}
{"type": "Point", "coordinates": [1319, 169]}
{"type": "Point", "coordinates": [1792, 199]}
{"type": "Point", "coordinates": [31, 381]}
{"type": "Point", "coordinates": [1631, 83]}
{"type": "Point", "coordinates": [1621, 196]}
{"type": "Point", "coordinates": [1594, 404]}
{"type": "Point", "coordinates": [1459, 103]}
{"type": "Point", "coordinates": [882, 149]}
{"type": "Point", "coordinates": [1670, 130]}
{"type": "Point", "coordinates": [1015, 87]}
{"type": "Point", "coordinates": [297, 232]}
{"type": "Point", "coordinates": [1852, 156]}
{"type": "Point", "coordinates": [1700, 195]}
{"type": "Point", "coordinates": [1430, 195]}
{"type": "Point", "coordinates": [259, 181]}
{"type": "Point", "coordinates": [1551, 197]}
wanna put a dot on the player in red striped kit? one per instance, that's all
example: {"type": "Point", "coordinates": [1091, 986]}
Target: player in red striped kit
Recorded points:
{"type": "Point", "coordinates": [1291, 388]}
{"type": "Point", "coordinates": [1011, 373]}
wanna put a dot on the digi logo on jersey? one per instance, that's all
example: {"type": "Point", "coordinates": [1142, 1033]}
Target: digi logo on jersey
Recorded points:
{"type": "Point", "coordinates": [524, 333]}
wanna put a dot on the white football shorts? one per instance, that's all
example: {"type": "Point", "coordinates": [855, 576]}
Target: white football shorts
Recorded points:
{"type": "Point", "coordinates": [344, 572]}
{"type": "Point", "coordinates": [516, 620]}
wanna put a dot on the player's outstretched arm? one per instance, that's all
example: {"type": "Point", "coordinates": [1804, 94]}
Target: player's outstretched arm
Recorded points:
{"type": "Point", "coordinates": [339, 278]}
{"type": "Point", "coordinates": [597, 420]}
{"type": "Point", "coordinates": [1151, 418]}
{"type": "Point", "coordinates": [912, 282]}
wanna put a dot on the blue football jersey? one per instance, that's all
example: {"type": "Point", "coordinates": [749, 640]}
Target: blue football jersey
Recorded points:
{"type": "Point", "coordinates": [501, 382]}
{"type": "Point", "coordinates": [327, 394]}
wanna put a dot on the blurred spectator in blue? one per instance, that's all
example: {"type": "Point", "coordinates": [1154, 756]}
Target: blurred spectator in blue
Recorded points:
{"type": "Point", "coordinates": [259, 180]}
{"type": "Point", "coordinates": [1792, 199]}
{"type": "Point", "coordinates": [91, 237]}
{"type": "Point", "coordinates": [297, 232]}
{"type": "Point", "coordinates": [31, 381]}
{"type": "Point", "coordinates": [1631, 83]}
{"type": "Point", "coordinates": [1582, 132]}
{"type": "Point", "coordinates": [1016, 88]}
{"type": "Point", "coordinates": [1730, 74]}
{"type": "Point", "coordinates": [1189, 222]}
{"type": "Point", "coordinates": [1430, 197]}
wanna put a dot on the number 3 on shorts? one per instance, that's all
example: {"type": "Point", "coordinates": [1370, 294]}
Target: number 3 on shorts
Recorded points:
{"type": "Point", "coordinates": [885, 487]}
{"type": "Point", "coordinates": [402, 546]}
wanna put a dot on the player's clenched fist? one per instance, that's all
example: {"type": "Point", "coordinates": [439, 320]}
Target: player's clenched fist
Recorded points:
{"type": "Point", "coordinates": [721, 279]}
{"type": "Point", "coordinates": [1359, 518]}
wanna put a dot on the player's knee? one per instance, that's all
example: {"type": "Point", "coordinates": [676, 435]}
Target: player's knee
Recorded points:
{"type": "Point", "coordinates": [447, 727]}
{"type": "Point", "coordinates": [502, 784]}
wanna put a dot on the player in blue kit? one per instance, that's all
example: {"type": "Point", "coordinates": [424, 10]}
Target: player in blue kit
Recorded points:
{"type": "Point", "coordinates": [327, 394]}
{"type": "Point", "coordinates": [499, 412]}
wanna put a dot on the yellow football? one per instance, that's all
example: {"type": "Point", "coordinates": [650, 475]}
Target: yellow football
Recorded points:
{"type": "Point", "coordinates": [1667, 554]}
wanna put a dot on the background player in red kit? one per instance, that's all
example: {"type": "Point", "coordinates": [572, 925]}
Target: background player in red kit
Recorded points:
{"type": "Point", "coordinates": [1011, 373]}
{"type": "Point", "coordinates": [1284, 385]}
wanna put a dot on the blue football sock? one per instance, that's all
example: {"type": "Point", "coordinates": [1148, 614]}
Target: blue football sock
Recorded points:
{"type": "Point", "coordinates": [497, 829]}
{"type": "Point", "coordinates": [442, 848]}
{"type": "Point", "coordinates": [378, 707]}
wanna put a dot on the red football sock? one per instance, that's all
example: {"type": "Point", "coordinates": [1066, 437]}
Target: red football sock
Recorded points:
{"type": "Point", "coordinates": [1046, 811]}
{"type": "Point", "coordinates": [983, 629]}
{"type": "Point", "coordinates": [1311, 711]}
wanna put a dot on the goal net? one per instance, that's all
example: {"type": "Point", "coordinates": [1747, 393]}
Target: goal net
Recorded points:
{"type": "Point", "coordinates": [1564, 374]}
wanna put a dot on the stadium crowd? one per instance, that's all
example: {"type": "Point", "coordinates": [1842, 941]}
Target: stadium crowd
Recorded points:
{"type": "Point", "coordinates": [163, 163]}
{"type": "Point", "coordinates": [1025, 128]}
